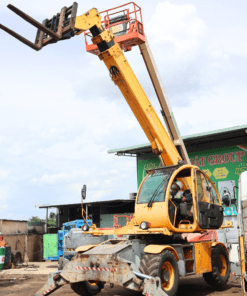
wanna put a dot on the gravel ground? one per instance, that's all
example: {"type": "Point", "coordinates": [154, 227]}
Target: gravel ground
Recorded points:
{"type": "Point", "coordinates": [29, 279]}
{"type": "Point", "coordinates": [32, 268]}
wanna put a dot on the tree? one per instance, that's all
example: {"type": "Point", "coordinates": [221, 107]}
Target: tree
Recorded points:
{"type": "Point", "coordinates": [52, 220]}
{"type": "Point", "coordinates": [35, 219]}
{"type": "Point", "coordinates": [51, 223]}
{"type": "Point", "coordinates": [52, 216]}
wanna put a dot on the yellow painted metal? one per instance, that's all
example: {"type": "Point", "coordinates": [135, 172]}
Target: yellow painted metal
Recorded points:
{"type": "Point", "coordinates": [157, 249]}
{"type": "Point", "coordinates": [242, 261]}
{"type": "Point", "coordinates": [223, 265]}
{"type": "Point", "coordinates": [228, 224]}
{"type": "Point", "coordinates": [139, 103]}
{"type": "Point", "coordinates": [132, 228]}
{"type": "Point", "coordinates": [161, 216]}
{"type": "Point", "coordinates": [93, 283]}
{"type": "Point", "coordinates": [185, 224]}
{"type": "Point", "coordinates": [188, 256]}
{"type": "Point", "coordinates": [203, 257]}
{"type": "Point", "coordinates": [88, 20]}
{"type": "Point", "coordinates": [106, 36]}
{"type": "Point", "coordinates": [84, 248]}
{"type": "Point", "coordinates": [168, 268]}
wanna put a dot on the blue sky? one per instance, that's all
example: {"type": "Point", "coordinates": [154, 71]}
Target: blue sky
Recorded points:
{"type": "Point", "coordinates": [60, 112]}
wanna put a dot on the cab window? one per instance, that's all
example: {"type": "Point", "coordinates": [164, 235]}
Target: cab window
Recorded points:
{"type": "Point", "coordinates": [205, 190]}
{"type": "Point", "coordinates": [154, 187]}
{"type": "Point", "coordinates": [200, 193]}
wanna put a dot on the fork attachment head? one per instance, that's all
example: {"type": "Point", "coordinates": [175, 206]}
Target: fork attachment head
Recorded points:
{"type": "Point", "coordinates": [59, 27]}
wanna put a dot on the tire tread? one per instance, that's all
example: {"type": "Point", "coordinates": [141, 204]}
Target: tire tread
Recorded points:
{"type": "Point", "coordinates": [214, 278]}
{"type": "Point", "coordinates": [151, 265]}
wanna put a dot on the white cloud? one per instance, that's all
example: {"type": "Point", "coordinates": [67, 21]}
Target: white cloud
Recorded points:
{"type": "Point", "coordinates": [101, 194]}
{"type": "Point", "coordinates": [177, 30]}
{"type": "Point", "coordinates": [215, 110]}
{"type": "Point", "coordinates": [4, 190]}
{"type": "Point", "coordinates": [4, 174]}
{"type": "Point", "coordinates": [61, 177]}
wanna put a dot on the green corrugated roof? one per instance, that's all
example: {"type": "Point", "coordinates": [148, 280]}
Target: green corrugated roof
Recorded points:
{"type": "Point", "coordinates": [184, 138]}
{"type": "Point", "coordinates": [230, 129]}
{"type": "Point", "coordinates": [129, 148]}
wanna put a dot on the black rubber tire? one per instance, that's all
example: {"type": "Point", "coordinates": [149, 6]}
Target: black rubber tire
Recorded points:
{"type": "Point", "coordinates": [86, 289]}
{"type": "Point", "coordinates": [151, 264]}
{"type": "Point", "coordinates": [16, 258]}
{"type": "Point", "coordinates": [215, 278]}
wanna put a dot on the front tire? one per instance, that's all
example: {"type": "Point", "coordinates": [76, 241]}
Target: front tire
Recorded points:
{"type": "Point", "coordinates": [87, 288]}
{"type": "Point", "coordinates": [220, 274]}
{"type": "Point", "coordinates": [164, 266]}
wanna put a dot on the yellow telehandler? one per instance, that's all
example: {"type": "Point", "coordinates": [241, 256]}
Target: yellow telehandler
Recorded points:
{"type": "Point", "coordinates": [156, 252]}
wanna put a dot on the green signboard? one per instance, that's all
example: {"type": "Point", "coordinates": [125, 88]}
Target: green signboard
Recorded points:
{"type": "Point", "coordinates": [222, 165]}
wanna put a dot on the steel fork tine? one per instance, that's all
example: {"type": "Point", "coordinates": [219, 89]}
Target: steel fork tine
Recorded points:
{"type": "Point", "coordinates": [33, 22]}
{"type": "Point", "coordinates": [20, 38]}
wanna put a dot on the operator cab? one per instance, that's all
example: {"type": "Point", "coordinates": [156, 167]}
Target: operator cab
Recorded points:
{"type": "Point", "coordinates": [196, 206]}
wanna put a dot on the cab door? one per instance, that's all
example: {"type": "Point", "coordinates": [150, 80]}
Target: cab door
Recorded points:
{"type": "Point", "coordinates": [209, 209]}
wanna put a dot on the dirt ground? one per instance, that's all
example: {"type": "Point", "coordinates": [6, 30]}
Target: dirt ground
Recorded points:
{"type": "Point", "coordinates": [26, 281]}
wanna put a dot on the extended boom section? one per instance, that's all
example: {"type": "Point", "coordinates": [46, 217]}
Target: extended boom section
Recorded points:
{"type": "Point", "coordinates": [124, 77]}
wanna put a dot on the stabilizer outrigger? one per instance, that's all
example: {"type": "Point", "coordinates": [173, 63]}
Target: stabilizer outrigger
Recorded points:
{"type": "Point", "coordinates": [103, 268]}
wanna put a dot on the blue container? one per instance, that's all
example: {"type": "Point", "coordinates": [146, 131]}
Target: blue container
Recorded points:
{"type": "Point", "coordinates": [7, 263]}
{"type": "Point", "coordinates": [60, 243]}
{"type": "Point", "coordinates": [53, 250]}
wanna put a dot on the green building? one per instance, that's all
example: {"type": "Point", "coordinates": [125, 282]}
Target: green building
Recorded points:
{"type": "Point", "coordinates": [222, 154]}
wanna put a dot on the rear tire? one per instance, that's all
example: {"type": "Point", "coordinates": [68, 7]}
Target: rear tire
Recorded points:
{"type": "Point", "coordinates": [16, 258]}
{"type": "Point", "coordinates": [165, 267]}
{"type": "Point", "coordinates": [87, 288]}
{"type": "Point", "coordinates": [220, 274]}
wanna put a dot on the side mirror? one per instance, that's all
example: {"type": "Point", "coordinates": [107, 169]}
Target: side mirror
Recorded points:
{"type": "Point", "coordinates": [83, 192]}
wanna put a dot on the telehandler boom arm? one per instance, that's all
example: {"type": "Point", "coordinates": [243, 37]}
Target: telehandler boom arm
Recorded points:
{"type": "Point", "coordinates": [123, 76]}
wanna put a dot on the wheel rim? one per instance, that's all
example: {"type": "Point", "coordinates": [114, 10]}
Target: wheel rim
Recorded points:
{"type": "Point", "coordinates": [222, 265]}
{"type": "Point", "coordinates": [93, 283]}
{"type": "Point", "coordinates": [167, 276]}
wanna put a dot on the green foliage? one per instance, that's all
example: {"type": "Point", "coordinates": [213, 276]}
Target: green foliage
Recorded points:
{"type": "Point", "coordinates": [35, 219]}
{"type": "Point", "coordinates": [52, 216]}
{"type": "Point", "coordinates": [51, 220]}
